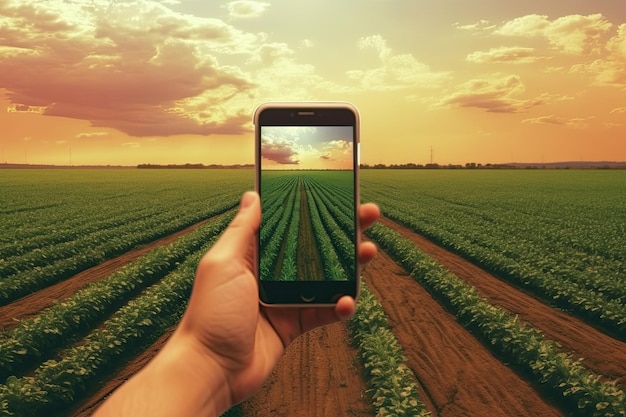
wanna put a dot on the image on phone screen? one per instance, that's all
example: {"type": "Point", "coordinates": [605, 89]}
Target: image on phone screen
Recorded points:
{"type": "Point", "coordinates": [307, 186]}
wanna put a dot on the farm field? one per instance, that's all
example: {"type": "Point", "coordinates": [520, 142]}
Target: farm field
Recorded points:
{"type": "Point", "coordinates": [309, 226]}
{"type": "Point", "coordinates": [495, 293]}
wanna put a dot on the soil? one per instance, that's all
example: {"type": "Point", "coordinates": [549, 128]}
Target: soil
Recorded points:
{"type": "Point", "coordinates": [601, 352]}
{"type": "Point", "coordinates": [318, 376]}
{"type": "Point", "coordinates": [458, 375]}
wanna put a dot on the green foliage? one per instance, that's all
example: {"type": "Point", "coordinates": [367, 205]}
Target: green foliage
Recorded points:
{"type": "Point", "coordinates": [57, 382]}
{"type": "Point", "coordinates": [393, 388]}
{"type": "Point", "coordinates": [328, 198]}
{"type": "Point", "coordinates": [586, 393]}
{"type": "Point", "coordinates": [559, 234]}
{"type": "Point", "coordinates": [76, 219]}
{"type": "Point", "coordinates": [36, 336]}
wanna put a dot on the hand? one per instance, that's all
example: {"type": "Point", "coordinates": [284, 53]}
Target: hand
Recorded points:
{"type": "Point", "coordinates": [224, 314]}
{"type": "Point", "coordinates": [227, 343]}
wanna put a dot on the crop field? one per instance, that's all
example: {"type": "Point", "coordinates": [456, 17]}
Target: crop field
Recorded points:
{"type": "Point", "coordinates": [495, 292]}
{"type": "Point", "coordinates": [309, 225]}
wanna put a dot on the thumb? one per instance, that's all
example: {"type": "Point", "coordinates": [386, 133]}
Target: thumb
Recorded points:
{"type": "Point", "coordinates": [236, 240]}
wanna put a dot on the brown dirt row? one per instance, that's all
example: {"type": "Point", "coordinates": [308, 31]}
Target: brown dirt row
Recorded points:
{"type": "Point", "coordinates": [31, 304]}
{"type": "Point", "coordinates": [601, 353]}
{"type": "Point", "coordinates": [318, 376]}
{"type": "Point", "coordinates": [458, 375]}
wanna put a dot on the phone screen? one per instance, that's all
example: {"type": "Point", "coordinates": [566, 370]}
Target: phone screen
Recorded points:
{"type": "Point", "coordinates": [307, 177]}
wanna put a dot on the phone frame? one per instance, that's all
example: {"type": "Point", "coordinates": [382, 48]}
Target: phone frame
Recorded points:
{"type": "Point", "coordinates": [308, 293]}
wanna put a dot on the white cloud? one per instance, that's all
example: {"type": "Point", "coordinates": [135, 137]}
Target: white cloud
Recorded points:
{"type": "Point", "coordinates": [572, 34]}
{"type": "Point", "coordinates": [246, 9]}
{"type": "Point", "coordinates": [90, 135]}
{"type": "Point", "coordinates": [396, 71]}
{"type": "Point", "coordinates": [504, 54]}
{"type": "Point", "coordinates": [481, 25]}
{"type": "Point", "coordinates": [557, 121]}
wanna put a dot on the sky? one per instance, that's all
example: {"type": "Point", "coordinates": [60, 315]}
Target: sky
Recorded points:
{"type": "Point", "coordinates": [307, 147]}
{"type": "Point", "coordinates": [177, 81]}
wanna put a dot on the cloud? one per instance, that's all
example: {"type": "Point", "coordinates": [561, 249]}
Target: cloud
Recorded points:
{"type": "Point", "coordinates": [338, 145]}
{"type": "Point", "coordinates": [619, 110]}
{"type": "Point", "coordinates": [504, 54]}
{"type": "Point", "coordinates": [546, 120]}
{"type": "Point", "coordinates": [559, 121]}
{"type": "Point", "coordinates": [497, 95]}
{"type": "Point", "coordinates": [138, 76]}
{"type": "Point", "coordinates": [481, 25]}
{"type": "Point", "coordinates": [610, 70]}
{"type": "Point", "coordinates": [24, 108]}
{"type": "Point", "coordinates": [572, 34]}
{"type": "Point", "coordinates": [131, 145]}
{"type": "Point", "coordinates": [336, 150]}
{"type": "Point", "coordinates": [280, 151]}
{"type": "Point", "coordinates": [396, 71]}
{"type": "Point", "coordinates": [267, 53]}
{"type": "Point", "coordinates": [89, 135]}
{"type": "Point", "coordinates": [246, 9]}
{"type": "Point", "coordinates": [605, 72]}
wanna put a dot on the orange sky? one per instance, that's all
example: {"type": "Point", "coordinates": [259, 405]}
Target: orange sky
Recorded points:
{"type": "Point", "coordinates": [177, 81]}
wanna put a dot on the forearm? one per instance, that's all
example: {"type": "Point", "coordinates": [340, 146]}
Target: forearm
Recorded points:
{"type": "Point", "coordinates": [179, 381]}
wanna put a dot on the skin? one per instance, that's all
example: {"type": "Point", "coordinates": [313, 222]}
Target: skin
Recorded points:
{"type": "Point", "coordinates": [226, 344]}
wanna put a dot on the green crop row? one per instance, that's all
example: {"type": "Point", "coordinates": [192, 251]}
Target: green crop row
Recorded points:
{"type": "Point", "coordinates": [64, 230]}
{"type": "Point", "coordinates": [343, 245]}
{"type": "Point", "coordinates": [289, 269]}
{"type": "Point", "coordinates": [392, 385]}
{"type": "Point", "coordinates": [56, 383]}
{"type": "Point", "coordinates": [36, 336]}
{"type": "Point", "coordinates": [280, 220]}
{"type": "Point", "coordinates": [333, 268]}
{"type": "Point", "coordinates": [583, 392]}
{"type": "Point", "coordinates": [585, 302]}
{"type": "Point", "coordinates": [558, 234]}
{"type": "Point", "coordinates": [96, 248]}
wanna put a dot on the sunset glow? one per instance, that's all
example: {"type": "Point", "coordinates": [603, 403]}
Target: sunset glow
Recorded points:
{"type": "Point", "coordinates": [177, 81]}
{"type": "Point", "coordinates": [306, 147]}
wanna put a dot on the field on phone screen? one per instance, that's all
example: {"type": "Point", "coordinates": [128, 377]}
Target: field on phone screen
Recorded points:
{"type": "Point", "coordinates": [307, 230]}
{"type": "Point", "coordinates": [495, 292]}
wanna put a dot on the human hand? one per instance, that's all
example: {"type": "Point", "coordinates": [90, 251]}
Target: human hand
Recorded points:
{"type": "Point", "coordinates": [225, 318]}
{"type": "Point", "coordinates": [226, 344]}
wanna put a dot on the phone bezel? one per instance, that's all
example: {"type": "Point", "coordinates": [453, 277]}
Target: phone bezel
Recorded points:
{"type": "Point", "coordinates": [308, 293]}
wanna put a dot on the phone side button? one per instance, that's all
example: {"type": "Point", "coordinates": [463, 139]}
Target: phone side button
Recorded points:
{"type": "Point", "coordinates": [307, 299]}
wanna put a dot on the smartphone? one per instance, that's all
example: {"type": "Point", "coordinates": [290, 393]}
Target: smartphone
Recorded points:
{"type": "Point", "coordinates": [307, 175]}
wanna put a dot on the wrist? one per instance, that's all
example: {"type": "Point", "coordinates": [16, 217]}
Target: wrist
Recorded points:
{"type": "Point", "coordinates": [202, 382]}
{"type": "Point", "coordinates": [181, 380]}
